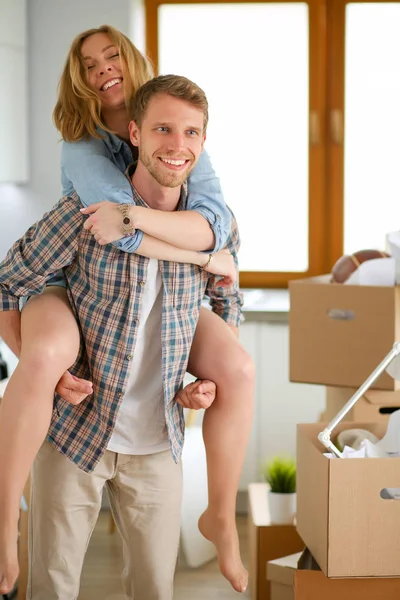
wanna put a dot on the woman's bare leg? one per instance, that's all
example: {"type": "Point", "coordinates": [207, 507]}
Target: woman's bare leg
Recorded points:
{"type": "Point", "coordinates": [50, 343]}
{"type": "Point", "coordinates": [217, 355]}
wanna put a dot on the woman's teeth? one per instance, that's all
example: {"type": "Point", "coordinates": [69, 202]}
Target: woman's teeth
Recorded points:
{"type": "Point", "coordinates": [109, 84]}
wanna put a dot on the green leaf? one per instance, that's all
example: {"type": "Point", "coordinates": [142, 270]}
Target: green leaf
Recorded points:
{"type": "Point", "coordinates": [280, 473]}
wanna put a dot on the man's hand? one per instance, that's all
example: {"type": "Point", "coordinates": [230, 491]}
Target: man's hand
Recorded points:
{"type": "Point", "coordinates": [196, 395]}
{"type": "Point", "coordinates": [73, 389]}
{"type": "Point", "coordinates": [105, 222]}
{"type": "Point", "coordinates": [223, 264]}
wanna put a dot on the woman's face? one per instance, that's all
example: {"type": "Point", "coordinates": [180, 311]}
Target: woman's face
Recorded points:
{"type": "Point", "coordinates": [104, 73]}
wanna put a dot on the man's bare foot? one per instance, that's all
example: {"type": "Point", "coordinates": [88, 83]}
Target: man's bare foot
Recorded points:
{"type": "Point", "coordinates": [9, 569]}
{"type": "Point", "coordinates": [224, 536]}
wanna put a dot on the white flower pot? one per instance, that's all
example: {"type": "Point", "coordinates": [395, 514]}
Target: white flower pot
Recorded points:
{"type": "Point", "coordinates": [282, 508]}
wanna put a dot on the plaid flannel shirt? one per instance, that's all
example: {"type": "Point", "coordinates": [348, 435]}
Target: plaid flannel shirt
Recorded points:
{"type": "Point", "coordinates": [105, 288]}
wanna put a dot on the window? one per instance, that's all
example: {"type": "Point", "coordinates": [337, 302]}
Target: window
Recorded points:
{"type": "Point", "coordinates": [300, 162]}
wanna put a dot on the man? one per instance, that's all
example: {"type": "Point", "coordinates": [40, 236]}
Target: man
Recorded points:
{"type": "Point", "coordinates": [125, 305]}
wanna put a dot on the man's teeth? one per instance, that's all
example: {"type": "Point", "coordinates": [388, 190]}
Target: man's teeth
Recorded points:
{"type": "Point", "coordinates": [109, 84]}
{"type": "Point", "coordinates": [176, 163]}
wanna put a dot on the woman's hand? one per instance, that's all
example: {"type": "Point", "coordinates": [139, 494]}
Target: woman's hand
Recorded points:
{"type": "Point", "coordinates": [105, 222]}
{"type": "Point", "coordinates": [222, 263]}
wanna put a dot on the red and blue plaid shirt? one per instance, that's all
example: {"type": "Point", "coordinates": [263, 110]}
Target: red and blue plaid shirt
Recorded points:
{"type": "Point", "coordinates": [105, 288]}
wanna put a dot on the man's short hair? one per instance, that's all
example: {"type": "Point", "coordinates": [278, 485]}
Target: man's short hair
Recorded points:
{"type": "Point", "coordinates": [173, 85]}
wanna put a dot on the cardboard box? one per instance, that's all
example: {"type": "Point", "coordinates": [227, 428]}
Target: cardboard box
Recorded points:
{"type": "Point", "coordinates": [297, 577]}
{"type": "Point", "coordinates": [266, 541]}
{"type": "Point", "coordinates": [375, 406]}
{"type": "Point", "coordinates": [340, 333]}
{"type": "Point", "coordinates": [350, 530]}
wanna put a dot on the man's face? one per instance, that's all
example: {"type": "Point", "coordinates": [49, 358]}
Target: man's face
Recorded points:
{"type": "Point", "coordinates": [170, 139]}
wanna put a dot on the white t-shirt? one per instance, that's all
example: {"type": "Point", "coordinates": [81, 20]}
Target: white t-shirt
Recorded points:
{"type": "Point", "coordinates": [140, 427]}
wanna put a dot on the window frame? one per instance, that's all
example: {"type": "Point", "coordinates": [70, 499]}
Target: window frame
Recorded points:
{"type": "Point", "coordinates": [319, 247]}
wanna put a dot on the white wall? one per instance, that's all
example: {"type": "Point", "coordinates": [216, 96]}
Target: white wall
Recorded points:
{"type": "Point", "coordinates": [51, 26]}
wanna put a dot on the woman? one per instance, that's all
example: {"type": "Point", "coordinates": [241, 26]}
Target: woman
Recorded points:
{"type": "Point", "coordinates": [103, 71]}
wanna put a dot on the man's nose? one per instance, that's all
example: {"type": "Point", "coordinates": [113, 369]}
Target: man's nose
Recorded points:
{"type": "Point", "coordinates": [176, 140]}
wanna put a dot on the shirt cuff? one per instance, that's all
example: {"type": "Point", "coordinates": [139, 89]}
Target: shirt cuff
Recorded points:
{"type": "Point", "coordinates": [220, 233]}
{"type": "Point", "coordinates": [8, 301]}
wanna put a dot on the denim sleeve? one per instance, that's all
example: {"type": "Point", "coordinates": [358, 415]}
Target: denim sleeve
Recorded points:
{"type": "Point", "coordinates": [87, 168]}
{"type": "Point", "coordinates": [205, 197]}
{"type": "Point", "coordinates": [227, 302]}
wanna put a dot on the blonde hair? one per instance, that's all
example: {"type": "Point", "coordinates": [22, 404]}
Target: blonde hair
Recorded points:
{"type": "Point", "coordinates": [78, 109]}
{"type": "Point", "coordinates": [173, 85]}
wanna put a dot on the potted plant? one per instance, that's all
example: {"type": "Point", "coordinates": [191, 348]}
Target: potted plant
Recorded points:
{"type": "Point", "coordinates": [280, 474]}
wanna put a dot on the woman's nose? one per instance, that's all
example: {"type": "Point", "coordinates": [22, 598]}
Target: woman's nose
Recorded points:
{"type": "Point", "coordinates": [104, 69]}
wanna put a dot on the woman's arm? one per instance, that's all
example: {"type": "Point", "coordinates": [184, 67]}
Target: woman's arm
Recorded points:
{"type": "Point", "coordinates": [88, 168]}
{"type": "Point", "coordinates": [221, 263]}
{"type": "Point", "coordinates": [188, 229]}
{"type": "Point", "coordinates": [205, 197]}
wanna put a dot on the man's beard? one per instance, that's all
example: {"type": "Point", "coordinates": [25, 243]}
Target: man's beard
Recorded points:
{"type": "Point", "coordinates": [170, 179]}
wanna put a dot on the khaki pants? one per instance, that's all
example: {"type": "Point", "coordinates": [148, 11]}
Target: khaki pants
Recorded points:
{"type": "Point", "coordinates": [145, 496]}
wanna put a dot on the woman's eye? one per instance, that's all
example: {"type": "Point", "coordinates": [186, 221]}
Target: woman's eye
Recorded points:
{"type": "Point", "coordinates": [115, 55]}
{"type": "Point", "coordinates": [90, 67]}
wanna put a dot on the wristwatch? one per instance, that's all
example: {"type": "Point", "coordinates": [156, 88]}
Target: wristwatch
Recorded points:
{"type": "Point", "coordinates": [127, 225]}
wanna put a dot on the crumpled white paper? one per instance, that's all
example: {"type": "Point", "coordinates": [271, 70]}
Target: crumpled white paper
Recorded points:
{"type": "Point", "coordinates": [387, 447]}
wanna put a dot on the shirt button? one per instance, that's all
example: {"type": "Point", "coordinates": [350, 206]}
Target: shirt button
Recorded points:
{"type": "Point", "coordinates": [129, 357]}
{"type": "Point", "coordinates": [119, 395]}
{"type": "Point", "coordinates": [136, 321]}
{"type": "Point", "coordinates": [142, 283]}
{"type": "Point", "coordinates": [218, 217]}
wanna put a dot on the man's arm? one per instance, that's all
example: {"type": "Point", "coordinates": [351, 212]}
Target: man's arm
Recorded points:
{"type": "Point", "coordinates": [227, 301]}
{"type": "Point", "coordinates": [47, 246]}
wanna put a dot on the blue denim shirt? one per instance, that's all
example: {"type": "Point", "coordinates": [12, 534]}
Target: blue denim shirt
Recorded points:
{"type": "Point", "coordinates": [95, 169]}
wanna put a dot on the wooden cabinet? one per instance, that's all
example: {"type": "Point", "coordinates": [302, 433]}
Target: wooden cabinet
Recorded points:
{"type": "Point", "coordinates": [266, 540]}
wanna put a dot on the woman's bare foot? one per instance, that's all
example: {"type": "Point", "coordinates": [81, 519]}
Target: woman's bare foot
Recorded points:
{"type": "Point", "coordinates": [9, 569]}
{"type": "Point", "coordinates": [224, 536]}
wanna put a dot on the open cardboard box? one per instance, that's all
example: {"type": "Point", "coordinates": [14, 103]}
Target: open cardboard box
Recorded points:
{"type": "Point", "coordinates": [341, 517]}
{"type": "Point", "coordinates": [298, 577]}
{"type": "Point", "coordinates": [339, 333]}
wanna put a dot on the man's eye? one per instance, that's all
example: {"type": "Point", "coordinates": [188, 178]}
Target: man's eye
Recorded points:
{"type": "Point", "coordinates": [192, 132]}
{"type": "Point", "coordinates": [163, 129]}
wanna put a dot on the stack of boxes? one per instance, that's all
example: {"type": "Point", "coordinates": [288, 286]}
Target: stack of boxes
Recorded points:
{"type": "Point", "coordinates": [338, 336]}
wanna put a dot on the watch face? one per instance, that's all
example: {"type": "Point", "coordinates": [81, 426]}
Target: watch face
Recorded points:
{"type": "Point", "coordinates": [126, 221]}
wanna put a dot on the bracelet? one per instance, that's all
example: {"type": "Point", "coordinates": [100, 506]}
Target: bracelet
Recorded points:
{"type": "Point", "coordinates": [210, 257]}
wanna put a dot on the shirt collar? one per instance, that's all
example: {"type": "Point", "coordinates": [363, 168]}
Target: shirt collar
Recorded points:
{"type": "Point", "coordinates": [138, 198]}
{"type": "Point", "coordinates": [111, 140]}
